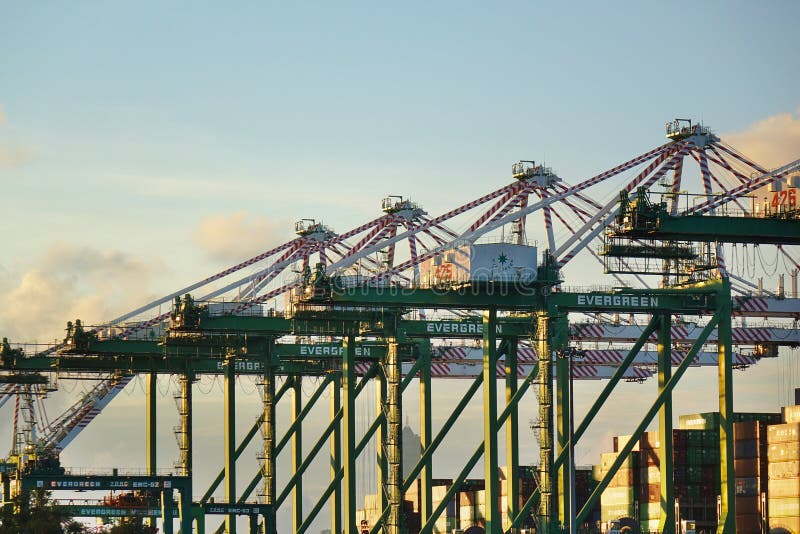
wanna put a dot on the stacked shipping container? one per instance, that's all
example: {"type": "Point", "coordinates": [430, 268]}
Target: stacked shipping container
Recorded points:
{"type": "Point", "coordinates": [750, 464]}
{"type": "Point", "coordinates": [696, 477]}
{"type": "Point", "coordinates": [783, 455]}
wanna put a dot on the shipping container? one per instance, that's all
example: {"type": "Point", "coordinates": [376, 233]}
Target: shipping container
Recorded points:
{"type": "Point", "coordinates": [650, 510]}
{"type": "Point", "coordinates": [485, 262]}
{"type": "Point", "coordinates": [747, 448]}
{"type": "Point", "coordinates": [748, 505]}
{"type": "Point", "coordinates": [782, 452]}
{"type": "Point", "coordinates": [650, 493]}
{"type": "Point", "coordinates": [749, 430]}
{"type": "Point", "coordinates": [784, 507]}
{"type": "Point", "coordinates": [791, 414]}
{"type": "Point", "coordinates": [747, 487]}
{"type": "Point", "coordinates": [607, 459]}
{"type": "Point", "coordinates": [783, 433]}
{"type": "Point", "coordinates": [790, 469]}
{"type": "Point", "coordinates": [710, 420]}
{"type": "Point", "coordinates": [748, 523]}
{"type": "Point", "coordinates": [748, 468]}
{"type": "Point", "coordinates": [650, 475]}
{"type": "Point", "coordinates": [785, 487]}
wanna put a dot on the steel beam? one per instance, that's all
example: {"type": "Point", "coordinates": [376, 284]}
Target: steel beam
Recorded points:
{"type": "Point", "coordinates": [512, 433]}
{"type": "Point", "coordinates": [185, 413]}
{"type": "Point", "coordinates": [545, 422]}
{"type": "Point", "coordinates": [427, 527]}
{"type": "Point", "coordinates": [166, 510]}
{"type": "Point", "coordinates": [246, 441]}
{"type": "Point", "coordinates": [269, 470]}
{"type": "Point", "coordinates": [427, 454]}
{"type": "Point", "coordinates": [562, 436]}
{"type": "Point", "coordinates": [595, 408]}
{"type": "Point", "coordinates": [490, 427]}
{"type": "Point", "coordinates": [656, 406]}
{"type": "Point", "coordinates": [727, 523]}
{"type": "Point", "coordinates": [349, 435]}
{"type": "Point", "coordinates": [425, 432]}
{"type": "Point", "coordinates": [297, 452]}
{"type": "Point", "coordinates": [336, 453]}
{"type": "Point", "coordinates": [666, 523]}
{"type": "Point", "coordinates": [394, 442]}
{"type": "Point", "coordinates": [381, 461]}
{"type": "Point", "coordinates": [150, 428]}
{"type": "Point", "coordinates": [229, 437]}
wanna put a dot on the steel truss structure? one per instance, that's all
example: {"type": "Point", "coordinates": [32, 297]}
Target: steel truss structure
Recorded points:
{"type": "Point", "coordinates": [364, 310]}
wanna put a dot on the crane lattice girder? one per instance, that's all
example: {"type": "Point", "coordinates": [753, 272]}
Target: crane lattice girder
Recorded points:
{"type": "Point", "coordinates": [621, 333]}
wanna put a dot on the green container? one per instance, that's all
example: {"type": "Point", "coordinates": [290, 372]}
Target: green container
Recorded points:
{"type": "Point", "coordinates": [710, 420]}
{"type": "Point", "coordinates": [694, 439]}
{"type": "Point", "coordinates": [694, 456]}
{"type": "Point", "coordinates": [694, 474]}
{"type": "Point", "coordinates": [709, 456]}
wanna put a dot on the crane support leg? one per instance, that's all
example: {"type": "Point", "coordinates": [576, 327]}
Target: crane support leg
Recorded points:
{"type": "Point", "coordinates": [512, 434]}
{"type": "Point", "coordinates": [381, 465]}
{"type": "Point", "coordinates": [727, 524]}
{"type": "Point", "coordinates": [230, 440]}
{"type": "Point", "coordinates": [426, 431]}
{"type": "Point", "coordinates": [596, 406]}
{"type": "Point", "coordinates": [336, 453]}
{"type": "Point", "coordinates": [150, 431]}
{"type": "Point", "coordinates": [490, 427]}
{"type": "Point", "coordinates": [151, 391]}
{"type": "Point", "coordinates": [269, 448]}
{"type": "Point", "coordinates": [349, 435]}
{"type": "Point", "coordinates": [185, 413]}
{"type": "Point", "coordinates": [394, 447]}
{"type": "Point", "coordinates": [562, 436]}
{"type": "Point", "coordinates": [648, 417]}
{"type": "Point", "coordinates": [666, 522]}
{"type": "Point", "coordinates": [544, 518]}
{"type": "Point", "coordinates": [166, 510]}
{"type": "Point", "coordinates": [297, 452]}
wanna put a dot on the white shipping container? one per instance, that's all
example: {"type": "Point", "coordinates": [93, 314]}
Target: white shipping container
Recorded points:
{"type": "Point", "coordinates": [786, 507]}
{"type": "Point", "coordinates": [783, 452]}
{"type": "Point", "coordinates": [783, 433]}
{"type": "Point", "coordinates": [787, 487]}
{"type": "Point", "coordinates": [791, 414]}
{"type": "Point", "coordinates": [488, 262]}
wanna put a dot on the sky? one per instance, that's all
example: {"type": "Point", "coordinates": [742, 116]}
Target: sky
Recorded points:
{"type": "Point", "coordinates": [144, 146]}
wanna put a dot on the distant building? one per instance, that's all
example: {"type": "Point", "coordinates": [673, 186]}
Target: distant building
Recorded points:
{"type": "Point", "coordinates": [412, 449]}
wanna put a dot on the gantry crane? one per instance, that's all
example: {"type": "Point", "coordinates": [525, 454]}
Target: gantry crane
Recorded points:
{"type": "Point", "coordinates": [236, 326]}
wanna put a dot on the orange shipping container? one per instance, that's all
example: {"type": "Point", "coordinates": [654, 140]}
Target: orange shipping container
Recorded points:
{"type": "Point", "coordinates": [747, 505]}
{"type": "Point", "coordinates": [748, 523]}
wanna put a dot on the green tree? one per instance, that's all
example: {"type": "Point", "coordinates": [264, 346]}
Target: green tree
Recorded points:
{"type": "Point", "coordinates": [132, 526]}
{"type": "Point", "coordinates": [33, 512]}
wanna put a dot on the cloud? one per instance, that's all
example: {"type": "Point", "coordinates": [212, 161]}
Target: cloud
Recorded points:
{"type": "Point", "coordinates": [66, 283]}
{"type": "Point", "coordinates": [237, 236]}
{"type": "Point", "coordinates": [12, 155]}
{"type": "Point", "coordinates": [772, 142]}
